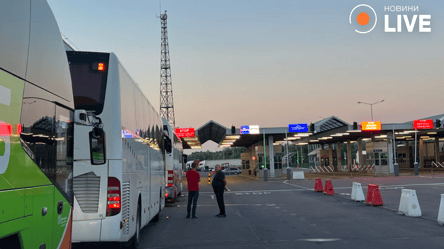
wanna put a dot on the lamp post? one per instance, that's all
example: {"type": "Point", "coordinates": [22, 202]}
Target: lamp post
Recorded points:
{"type": "Point", "coordinates": [371, 105]}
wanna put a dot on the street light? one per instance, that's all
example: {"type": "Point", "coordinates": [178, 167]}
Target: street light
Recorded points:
{"type": "Point", "coordinates": [371, 105]}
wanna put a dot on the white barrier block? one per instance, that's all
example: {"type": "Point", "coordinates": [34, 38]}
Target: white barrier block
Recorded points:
{"type": "Point", "coordinates": [298, 175]}
{"type": "Point", "coordinates": [357, 193]}
{"type": "Point", "coordinates": [409, 204]}
{"type": "Point", "coordinates": [441, 211]}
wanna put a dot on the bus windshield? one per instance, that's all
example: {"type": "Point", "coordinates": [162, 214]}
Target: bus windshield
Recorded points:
{"type": "Point", "coordinates": [89, 73]}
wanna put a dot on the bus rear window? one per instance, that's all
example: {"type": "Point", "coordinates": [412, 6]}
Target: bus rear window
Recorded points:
{"type": "Point", "coordinates": [89, 73]}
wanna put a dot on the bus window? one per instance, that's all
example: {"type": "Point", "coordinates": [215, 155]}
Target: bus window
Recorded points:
{"type": "Point", "coordinates": [89, 83]}
{"type": "Point", "coordinates": [47, 135]}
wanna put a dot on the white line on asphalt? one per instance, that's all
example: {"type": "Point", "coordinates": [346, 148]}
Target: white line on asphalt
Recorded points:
{"type": "Point", "coordinates": [321, 240]}
{"type": "Point", "coordinates": [212, 197]}
{"type": "Point", "coordinates": [257, 191]}
{"type": "Point", "coordinates": [285, 182]}
{"type": "Point", "coordinates": [229, 205]}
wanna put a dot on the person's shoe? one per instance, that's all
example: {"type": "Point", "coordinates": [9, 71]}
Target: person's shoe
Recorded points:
{"type": "Point", "coordinates": [194, 217]}
{"type": "Point", "coordinates": [188, 216]}
{"type": "Point", "coordinates": [217, 215]}
{"type": "Point", "coordinates": [221, 216]}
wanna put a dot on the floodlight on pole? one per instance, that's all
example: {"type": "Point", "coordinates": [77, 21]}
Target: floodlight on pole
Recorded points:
{"type": "Point", "coordinates": [371, 105]}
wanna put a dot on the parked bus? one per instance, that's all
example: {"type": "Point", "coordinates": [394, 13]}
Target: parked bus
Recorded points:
{"type": "Point", "coordinates": [173, 163]}
{"type": "Point", "coordinates": [36, 129]}
{"type": "Point", "coordinates": [112, 202]}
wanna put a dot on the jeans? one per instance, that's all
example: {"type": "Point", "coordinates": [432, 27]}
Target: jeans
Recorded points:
{"type": "Point", "coordinates": [219, 192]}
{"type": "Point", "coordinates": [192, 197]}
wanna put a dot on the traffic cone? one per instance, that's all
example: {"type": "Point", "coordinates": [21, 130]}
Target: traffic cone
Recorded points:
{"type": "Point", "coordinates": [370, 193]}
{"type": "Point", "coordinates": [376, 197]}
{"type": "Point", "coordinates": [329, 188]}
{"type": "Point", "coordinates": [318, 186]}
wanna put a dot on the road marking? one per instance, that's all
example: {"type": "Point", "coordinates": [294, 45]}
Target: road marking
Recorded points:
{"type": "Point", "coordinates": [212, 197]}
{"type": "Point", "coordinates": [270, 205]}
{"type": "Point", "coordinates": [285, 182]}
{"type": "Point", "coordinates": [263, 191]}
{"type": "Point", "coordinates": [277, 207]}
{"type": "Point", "coordinates": [321, 240]}
{"type": "Point", "coordinates": [293, 214]}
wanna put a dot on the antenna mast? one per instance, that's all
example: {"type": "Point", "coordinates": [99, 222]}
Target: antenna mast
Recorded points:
{"type": "Point", "coordinates": [166, 85]}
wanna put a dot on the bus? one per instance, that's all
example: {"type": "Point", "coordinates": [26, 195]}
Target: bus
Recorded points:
{"type": "Point", "coordinates": [113, 202]}
{"type": "Point", "coordinates": [173, 163]}
{"type": "Point", "coordinates": [36, 129]}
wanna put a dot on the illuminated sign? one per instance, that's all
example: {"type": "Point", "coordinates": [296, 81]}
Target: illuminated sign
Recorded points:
{"type": "Point", "coordinates": [371, 126]}
{"type": "Point", "coordinates": [254, 129]}
{"type": "Point", "coordinates": [423, 124]}
{"type": "Point", "coordinates": [298, 128]}
{"type": "Point", "coordinates": [185, 132]}
{"type": "Point", "coordinates": [249, 129]}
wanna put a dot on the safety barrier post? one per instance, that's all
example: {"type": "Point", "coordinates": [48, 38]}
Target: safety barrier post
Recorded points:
{"type": "Point", "coordinates": [209, 178]}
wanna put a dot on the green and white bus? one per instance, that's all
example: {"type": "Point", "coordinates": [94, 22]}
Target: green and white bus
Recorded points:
{"type": "Point", "coordinates": [36, 129]}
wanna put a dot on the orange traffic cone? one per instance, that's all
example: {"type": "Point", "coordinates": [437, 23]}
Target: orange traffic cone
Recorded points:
{"type": "Point", "coordinates": [329, 188]}
{"type": "Point", "coordinates": [370, 194]}
{"type": "Point", "coordinates": [376, 197]}
{"type": "Point", "coordinates": [318, 185]}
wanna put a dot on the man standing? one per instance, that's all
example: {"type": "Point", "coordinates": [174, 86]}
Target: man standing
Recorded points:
{"type": "Point", "coordinates": [219, 184]}
{"type": "Point", "coordinates": [193, 179]}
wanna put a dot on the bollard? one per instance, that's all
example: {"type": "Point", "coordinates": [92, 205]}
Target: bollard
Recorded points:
{"type": "Point", "coordinates": [209, 178]}
{"type": "Point", "coordinates": [416, 168]}
{"type": "Point", "coordinates": [396, 166]}
{"type": "Point", "coordinates": [288, 173]}
{"type": "Point", "coordinates": [265, 174]}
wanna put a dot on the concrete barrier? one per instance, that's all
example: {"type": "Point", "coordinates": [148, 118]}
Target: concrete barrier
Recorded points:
{"type": "Point", "coordinates": [357, 193]}
{"type": "Point", "coordinates": [441, 211]}
{"type": "Point", "coordinates": [298, 175]}
{"type": "Point", "coordinates": [409, 205]}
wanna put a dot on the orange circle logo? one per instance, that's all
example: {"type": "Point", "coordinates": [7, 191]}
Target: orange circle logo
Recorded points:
{"type": "Point", "coordinates": [363, 18]}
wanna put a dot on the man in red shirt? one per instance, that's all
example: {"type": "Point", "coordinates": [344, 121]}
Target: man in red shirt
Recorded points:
{"type": "Point", "coordinates": [193, 179]}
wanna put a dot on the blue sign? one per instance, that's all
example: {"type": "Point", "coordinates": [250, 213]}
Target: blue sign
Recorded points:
{"type": "Point", "coordinates": [298, 128]}
{"type": "Point", "coordinates": [245, 129]}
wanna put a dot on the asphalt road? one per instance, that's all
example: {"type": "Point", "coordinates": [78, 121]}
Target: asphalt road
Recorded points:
{"type": "Point", "coordinates": [289, 214]}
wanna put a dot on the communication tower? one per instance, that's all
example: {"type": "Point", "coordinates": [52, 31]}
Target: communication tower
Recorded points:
{"type": "Point", "coordinates": [166, 85]}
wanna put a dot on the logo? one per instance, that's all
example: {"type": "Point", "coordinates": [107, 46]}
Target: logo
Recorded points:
{"type": "Point", "coordinates": [245, 129]}
{"type": "Point", "coordinates": [363, 18]}
{"type": "Point", "coordinates": [298, 128]}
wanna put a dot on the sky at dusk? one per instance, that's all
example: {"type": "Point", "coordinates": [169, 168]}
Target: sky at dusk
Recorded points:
{"type": "Point", "coordinates": [270, 63]}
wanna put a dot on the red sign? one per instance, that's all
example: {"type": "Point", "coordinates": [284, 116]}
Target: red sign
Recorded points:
{"type": "Point", "coordinates": [185, 132]}
{"type": "Point", "coordinates": [423, 124]}
{"type": "Point", "coordinates": [371, 126]}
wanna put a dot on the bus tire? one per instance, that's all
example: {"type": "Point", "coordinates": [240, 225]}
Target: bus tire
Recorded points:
{"type": "Point", "coordinates": [136, 238]}
{"type": "Point", "coordinates": [157, 217]}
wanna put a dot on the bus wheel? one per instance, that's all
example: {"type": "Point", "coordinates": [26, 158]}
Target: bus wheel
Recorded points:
{"type": "Point", "coordinates": [136, 238]}
{"type": "Point", "coordinates": [156, 218]}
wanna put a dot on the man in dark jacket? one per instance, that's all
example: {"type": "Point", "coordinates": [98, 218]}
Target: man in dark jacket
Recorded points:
{"type": "Point", "coordinates": [219, 183]}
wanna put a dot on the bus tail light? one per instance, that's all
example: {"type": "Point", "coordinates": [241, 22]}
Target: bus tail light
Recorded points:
{"type": "Point", "coordinates": [5, 129]}
{"type": "Point", "coordinates": [170, 178]}
{"type": "Point", "coordinates": [114, 201]}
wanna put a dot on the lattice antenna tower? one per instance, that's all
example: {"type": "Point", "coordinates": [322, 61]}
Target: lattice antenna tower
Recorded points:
{"type": "Point", "coordinates": [166, 85]}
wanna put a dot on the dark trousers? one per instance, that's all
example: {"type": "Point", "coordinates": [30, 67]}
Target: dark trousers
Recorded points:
{"type": "Point", "coordinates": [192, 197]}
{"type": "Point", "coordinates": [219, 192]}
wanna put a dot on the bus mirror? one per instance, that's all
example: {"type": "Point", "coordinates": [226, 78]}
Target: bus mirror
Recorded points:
{"type": "Point", "coordinates": [81, 117]}
{"type": "Point", "coordinates": [97, 146]}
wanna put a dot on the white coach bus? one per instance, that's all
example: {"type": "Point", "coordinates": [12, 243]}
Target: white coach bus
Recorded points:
{"type": "Point", "coordinates": [173, 163]}
{"type": "Point", "coordinates": [112, 202]}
